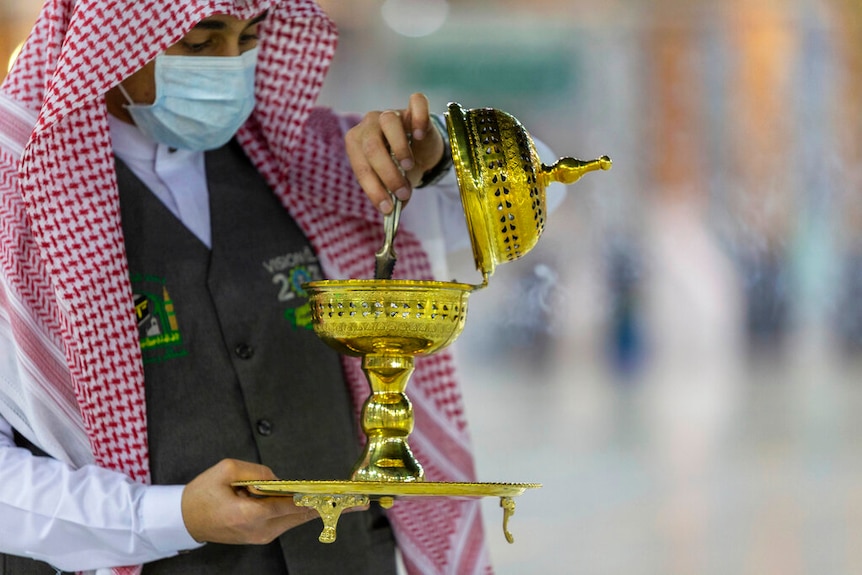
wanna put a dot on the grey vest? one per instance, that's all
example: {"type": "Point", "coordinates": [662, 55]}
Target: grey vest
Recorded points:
{"type": "Point", "coordinates": [233, 368]}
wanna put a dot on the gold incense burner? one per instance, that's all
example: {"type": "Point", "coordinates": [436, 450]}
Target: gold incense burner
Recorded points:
{"type": "Point", "coordinates": [388, 322]}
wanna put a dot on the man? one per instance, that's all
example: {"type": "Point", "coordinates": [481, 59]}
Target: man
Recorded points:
{"type": "Point", "coordinates": [154, 341]}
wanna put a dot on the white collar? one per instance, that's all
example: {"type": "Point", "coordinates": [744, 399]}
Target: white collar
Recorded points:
{"type": "Point", "coordinates": [129, 143]}
{"type": "Point", "coordinates": [176, 177]}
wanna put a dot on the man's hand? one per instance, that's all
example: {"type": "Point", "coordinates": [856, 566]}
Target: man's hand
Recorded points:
{"type": "Point", "coordinates": [390, 150]}
{"type": "Point", "coordinates": [215, 512]}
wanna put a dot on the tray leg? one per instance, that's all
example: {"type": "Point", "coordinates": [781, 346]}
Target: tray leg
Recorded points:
{"type": "Point", "coordinates": [508, 505]}
{"type": "Point", "coordinates": [329, 507]}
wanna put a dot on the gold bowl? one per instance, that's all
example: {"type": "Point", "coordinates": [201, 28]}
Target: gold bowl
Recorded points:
{"type": "Point", "coordinates": [392, 317]}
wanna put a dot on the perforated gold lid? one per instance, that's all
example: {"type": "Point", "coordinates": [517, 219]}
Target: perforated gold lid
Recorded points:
{"type": "Point", "coordinates": [502, 183]}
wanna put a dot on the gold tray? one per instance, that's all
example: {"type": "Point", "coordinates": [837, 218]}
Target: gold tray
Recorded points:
{"type": "Point", "coordinates": [387, 488]}
{"type": "Point", "coordinates": [330, 498]}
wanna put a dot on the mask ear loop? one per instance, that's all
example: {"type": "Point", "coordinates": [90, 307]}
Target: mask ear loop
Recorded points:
{"type": "Point", "coordinates": [128, 98]}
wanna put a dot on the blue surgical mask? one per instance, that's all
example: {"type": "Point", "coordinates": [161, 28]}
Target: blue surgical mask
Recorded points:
{"type": "Point", "coordinates": [201, 101]}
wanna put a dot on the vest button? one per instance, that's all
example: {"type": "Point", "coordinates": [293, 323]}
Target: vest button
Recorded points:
{"type": "Point", "coordinates": [264, 427]}
{"type": "Point", "coordinates": [244, 351]}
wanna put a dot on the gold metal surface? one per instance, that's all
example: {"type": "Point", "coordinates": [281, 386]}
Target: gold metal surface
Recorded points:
{"type": "Point", "coordinates": [331, 498]}
{"type": "Point", "coordinates": [388, 317]}
{"type": "Point", "coordinates": [387, 323]}
{"type": "Point", "coordinates": [330, 507]}
{"type": "Point", "coordinates": [502, 183]}
{"type": "Point", "coordinates": [385, 258]}
{"type": "Point", "coordinates": [508, 505]}
{"type": "Point", "coordinates": [380, 489]}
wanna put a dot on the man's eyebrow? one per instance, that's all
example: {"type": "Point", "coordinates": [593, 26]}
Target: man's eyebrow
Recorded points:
{"type": "Point", "coordinates": [210, 25]}
{"type": "Point", "coordinates": [258, 19]}
{"type": "Point", "coordinates": [220, 25]}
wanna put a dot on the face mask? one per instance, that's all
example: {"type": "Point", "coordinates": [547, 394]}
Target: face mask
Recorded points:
{"type": "Point", "coordinates": [201, 101]}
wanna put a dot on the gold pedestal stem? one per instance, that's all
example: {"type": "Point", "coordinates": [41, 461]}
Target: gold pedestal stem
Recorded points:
{"type": "Point", "coordinates": [387, 420]}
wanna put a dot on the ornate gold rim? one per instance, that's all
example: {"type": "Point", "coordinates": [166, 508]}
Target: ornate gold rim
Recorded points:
{"type": "Point", "coordinates": [385, 285]}
{"type": "Point", "coordinates": [386, 488]}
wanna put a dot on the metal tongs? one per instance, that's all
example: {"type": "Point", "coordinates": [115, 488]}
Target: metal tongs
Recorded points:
{"type": "Point", "coordinates": [385, 257]}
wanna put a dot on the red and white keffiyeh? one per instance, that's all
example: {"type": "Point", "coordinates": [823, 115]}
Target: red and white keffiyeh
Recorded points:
{"type": "Point", "coordinates": [65, 297]}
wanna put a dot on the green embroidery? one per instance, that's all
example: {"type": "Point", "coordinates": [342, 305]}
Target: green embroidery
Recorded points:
{"type": "Point", "coordinates": [299, 317]}
{"type": "Point", "coordinates": [158, 329]}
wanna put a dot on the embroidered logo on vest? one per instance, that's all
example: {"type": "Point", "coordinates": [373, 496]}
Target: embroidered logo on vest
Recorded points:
{"type": "Point", "coordinates": [289, 272]}
{"type": "Point", "coordinates": [158, 329]}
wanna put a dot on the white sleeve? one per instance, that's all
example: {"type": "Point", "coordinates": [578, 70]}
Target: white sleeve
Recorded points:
{"type": "Point", "coordinates": [83, 519]}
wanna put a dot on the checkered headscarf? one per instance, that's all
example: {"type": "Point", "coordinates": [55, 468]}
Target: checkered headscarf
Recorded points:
{"type": "Point", "coordinates": [65, 291]}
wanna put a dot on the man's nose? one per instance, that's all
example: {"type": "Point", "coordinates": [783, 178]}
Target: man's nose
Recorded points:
{"type": "Point", "coordinates": [233, 48]}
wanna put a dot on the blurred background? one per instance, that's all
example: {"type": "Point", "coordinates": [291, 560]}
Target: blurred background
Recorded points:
{"type": "Point", "coordinates": [679, 360]}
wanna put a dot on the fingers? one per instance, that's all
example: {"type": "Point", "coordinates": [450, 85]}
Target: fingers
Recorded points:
{"type": "Point", "coordinates": [427, 147]}
{"type": "Point", "coordinates": [390, 150]}
{"type": "Point", "coordinates": [377, 148]}
{"type": "Point", "coordinates": [215, 512]}
{"type": "Point", "coordinates": [235, 470]}
{"type": "Point", "coordinates": [372, 163]}
{"type": "Point", "coordinates": [296, 517]}
{"type": "Point", "coordinates": [393, 126]}
{"type": "Point", "coordinates": [258, 521]}
{"type": "Point", "coordinates": [278, 513]}
{"type": "Point", "coordinates": [418, 116]}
